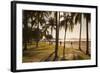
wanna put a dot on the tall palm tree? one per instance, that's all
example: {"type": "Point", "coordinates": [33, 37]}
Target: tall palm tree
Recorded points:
{"type": "Point", "coordinates": [65, 25]}
{"type": "Point", "coordinates": [57, 18]}
{"type": "Point", "coordinates": [67, 22]}
{"type": "Point", "coordinates": [88, 18]}
{"type": "Point", "coordinates": [78, 19]}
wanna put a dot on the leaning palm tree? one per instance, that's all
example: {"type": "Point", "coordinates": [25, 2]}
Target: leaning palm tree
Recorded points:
{"type": "Point", "coordinates": [88, 18]}
{"type": "Point", "coordinates": [78, 19]}
{"type": "Point", "coordinates": [64, 23]}
{"type": "Point", "coordinates": [67, 23]}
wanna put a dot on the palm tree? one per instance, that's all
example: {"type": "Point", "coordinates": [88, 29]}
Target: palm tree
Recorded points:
{"type": "Point", "coordinates": [57, 18]}
{"type": "Point", "coordinates": [26, 29]}
{"type": "Point", "coordinates": [67, 22]}
{"type": "Point", "coordinates": [78, 19]}
{"type": "Point", "coordinates": [64, 24]}
{"type": "Point", "coordinates": [52, 23]}
{"type": "Point", "coordinates": [39, 20]}
{"type": "Point", "coordinates": [88, 18]}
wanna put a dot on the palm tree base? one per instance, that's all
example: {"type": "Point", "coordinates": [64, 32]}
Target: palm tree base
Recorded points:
{"type": "Point", "coordinates": [88, 54]}
{"type": "Point", "coordinates": [55, 59]}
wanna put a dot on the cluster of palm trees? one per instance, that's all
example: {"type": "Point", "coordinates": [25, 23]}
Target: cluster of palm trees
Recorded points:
{"type": "Point", "coordinates": [79, 19]}
{"type": "Point", "coordinates": [37, 23]}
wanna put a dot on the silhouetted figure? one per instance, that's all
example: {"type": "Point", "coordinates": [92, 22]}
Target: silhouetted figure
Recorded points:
{"type": "Point", "coordinates": [71, 44]}
{"type": "Point", "coordinates": [60, 43]}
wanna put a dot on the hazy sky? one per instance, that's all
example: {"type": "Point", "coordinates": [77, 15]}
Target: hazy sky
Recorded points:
{"type": "Point", "coordinates": [76, 31]}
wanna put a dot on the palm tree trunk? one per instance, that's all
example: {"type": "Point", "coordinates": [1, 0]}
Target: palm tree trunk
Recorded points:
{"type": "Point", "coordinates": [37, 42]}
{"type": "Point", "coordinates": [80, 32]}
{"type": "Point", "coordinates": [51, 34]}
{"type": "Point", "coordinates": [57, 34]}
{"type": "Point", "coordinates": [64, 44]}
{"type": "Point", "coordinates": [51, 30]}
{"type": "Point", "coordinates": [87, 43]}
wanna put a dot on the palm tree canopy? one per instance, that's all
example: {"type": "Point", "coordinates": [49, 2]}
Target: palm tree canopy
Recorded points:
{"type": "Point", "coordinates": [40, 17]}
{"type": "Point", "coordinates": [87, 16]}
{"type": "Point", "coordinates": [51, 22]}
{"type": "Point", "coordinates": [68, 21]}
{"type": "Point", "coordinates": [78, 18]}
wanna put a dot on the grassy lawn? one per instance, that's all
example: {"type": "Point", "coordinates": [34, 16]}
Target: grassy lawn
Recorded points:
{"type": "Point", "coordinates": [34, 54]}
{"type": "Point", "coordinates": [45, 52]}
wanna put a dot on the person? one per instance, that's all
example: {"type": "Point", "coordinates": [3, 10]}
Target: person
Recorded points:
{"type": "Point", "coordinates": [71, 44]}
{"type": "Point", "coordinates": [60, 43]}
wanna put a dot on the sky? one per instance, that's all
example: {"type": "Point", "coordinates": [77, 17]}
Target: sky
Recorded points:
{"type": "Point", "coordinates": [75, 34]}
